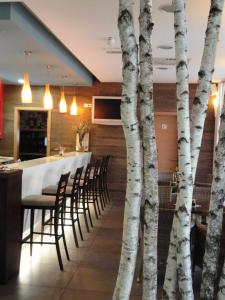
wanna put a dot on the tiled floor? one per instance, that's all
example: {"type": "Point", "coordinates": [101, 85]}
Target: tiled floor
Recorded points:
{"type": "Point", "coordinates": [89, 275]}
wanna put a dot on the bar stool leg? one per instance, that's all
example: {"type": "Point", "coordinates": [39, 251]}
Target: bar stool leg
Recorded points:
{"type": "Point", "coordinates": [57, 241]}
{"type": "Point", "coordinates": [95, 207]}
{"type": "Point", "coordinates": [31, 230]}
{"type": "Point", "coordinates": [78, 218]}
{"type": "Point", "coordinates": [73, 222]}
{"type": "Point", "coordinates": [96, 198]}
{"type": "Point", "coordinates": [63, 233]}
{"type": "Point", "coordinates": [51, 216]}
{"type": "Point", "coordinates": [42, 224]}
{"type": "Point", "coordinates": [21, 224]}
{"type": "Point", "coordinates": [102, 193]}
{"type": "Point", "coordinates": [88, 208]}
{"type": "Point", "coordinates": [84, 210]}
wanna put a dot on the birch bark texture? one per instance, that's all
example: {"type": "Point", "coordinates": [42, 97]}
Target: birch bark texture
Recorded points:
{"type": "Point", "coordinates": [199, 111]}
{"type": "Point", "coordinates": [133, 144]}
{"type": "Point", "coordinates": [150, 164]}
{"type": "Point", "coordinates": [184, 201]}
{"type": "Point", "coordinates": [215, 220]}
{"type": "Point", "coordinates": [200, 103]}
{"type": "Point", "coordinates": [170, 281]}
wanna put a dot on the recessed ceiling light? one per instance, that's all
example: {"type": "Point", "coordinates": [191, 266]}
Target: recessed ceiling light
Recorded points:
{"type": "Point", "coordinates": [111, 41]}
{"type": "Point", "coordinates": [21, 80]}
{"type": "Point", "coordinates": [167, 8]}
{"type": "Point", "coordinates": [165, 47]}
{"type": "Point", "coordinates": [162, 68]}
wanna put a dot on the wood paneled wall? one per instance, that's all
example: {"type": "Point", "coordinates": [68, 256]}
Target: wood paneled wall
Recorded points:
{"type": "Point", "coordinates": [103, 139]}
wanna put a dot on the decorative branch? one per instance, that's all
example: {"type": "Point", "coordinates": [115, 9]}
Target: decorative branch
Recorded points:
{"type": "Point", "coordinates": [150, 165]}
{"type": "Point", "coordinates": [133, 145]}
{"type": "Point", "coordinates": [182, 222]}
{"type": "Point", "coordinates": [200, 103]}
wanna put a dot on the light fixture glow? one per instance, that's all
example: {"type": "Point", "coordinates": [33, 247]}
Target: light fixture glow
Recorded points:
{"type": "Point", "coordinates": [62, 103]}
{"type": "Point", "coordinates": [26, 94]}
{"type": "Point", "coordinates": [48, 103]}
{"type": "Point", "coordinates": [20, 80]}
{"type": "Point", "coordinates": [73, 108]}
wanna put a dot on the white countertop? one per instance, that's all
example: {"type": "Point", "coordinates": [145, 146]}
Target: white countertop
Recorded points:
{"type": "Point", "coordinates": [5, 159]}
{"type": "Point", "coordinates": [44, 160]}
{"type": "Point", "coordinates": [41, 172]}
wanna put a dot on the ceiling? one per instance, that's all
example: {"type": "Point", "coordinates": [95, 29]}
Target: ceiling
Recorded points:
{"type": "Point", "coordinates": [84, 27]}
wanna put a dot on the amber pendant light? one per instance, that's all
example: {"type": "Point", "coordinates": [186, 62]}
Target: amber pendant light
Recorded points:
{"type": "Point", "coordinates": [48, 102]}
{"type": "Point", "coordinates": [62, 103]}
{"type": "Point", "coordinates": [26, 94]}
{"type": "Point", "coordinates": [73, 108]}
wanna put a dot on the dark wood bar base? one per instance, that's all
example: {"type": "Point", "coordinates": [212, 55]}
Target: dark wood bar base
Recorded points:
{"type": "Point", "coordinates": [10, 207]}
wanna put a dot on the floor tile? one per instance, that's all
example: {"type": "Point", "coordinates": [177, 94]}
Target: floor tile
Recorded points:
{"type": "Point", "coordinates": [27, 292]}
{"type": "Point", "coordinates": [92, 279]}
{"type": "Point", "coordinates": [85, 295]}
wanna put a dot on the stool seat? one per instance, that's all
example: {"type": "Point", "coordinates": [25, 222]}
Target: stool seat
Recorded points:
{"type": "Point", "coordinates": [39, 200]}
{"type": "Point", "coordinates": [52, 190]}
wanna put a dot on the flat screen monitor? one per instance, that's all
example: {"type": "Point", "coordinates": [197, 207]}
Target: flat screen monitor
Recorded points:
{"type": "Point", "coordinates": [106, 110]}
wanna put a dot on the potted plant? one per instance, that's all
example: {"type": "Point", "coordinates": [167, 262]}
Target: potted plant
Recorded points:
{"type": "Point", "coordinates": [82, 136]}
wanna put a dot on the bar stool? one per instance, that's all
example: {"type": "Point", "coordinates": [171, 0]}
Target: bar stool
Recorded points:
{"type": "Point", "coordinates": [93, 192]}
{"type": "Point", "coordinates": [102, 186]}
{"type": "Point", "coordinates": [83, 203]}
{"type": "Point", "coordinates": [105, 177]}
{"type": "Point", "coordinates": [72, 192]}
{"type": "Point", "coordinates": [56, 205]}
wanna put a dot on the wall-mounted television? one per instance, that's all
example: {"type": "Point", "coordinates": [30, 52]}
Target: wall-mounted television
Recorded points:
{"type": "Point", "coordinates": [106, 110]}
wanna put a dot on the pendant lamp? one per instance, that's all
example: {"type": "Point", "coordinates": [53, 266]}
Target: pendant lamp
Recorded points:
{"type": "Point", "coordinates": [26, 94]}
{"type": "Point", "coordinates": [62, 103]}
{"type": "Point", "coordinates": [73, 108]}
{"type": "Point", "coordinates": [48, 103]}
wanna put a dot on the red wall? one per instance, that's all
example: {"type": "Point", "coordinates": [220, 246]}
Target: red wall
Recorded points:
{"type": "Point", "coordinates": [1, 108]}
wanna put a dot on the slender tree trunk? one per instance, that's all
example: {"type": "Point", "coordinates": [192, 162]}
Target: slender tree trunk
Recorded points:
{"type": "Point", "coordinates": [199, 111]}
{"type": "Point", "coordinates": [184, 203]}
{"type": "Point", "coordinates": [149, 153]}
{"type": "Point", "coordinates": [221, 291]}
{"type": "Point", "coordinates": [133, 144]}
{"type": "Point", "coordinates": [184, 155]}
{"type": "Point", "coordinates": [200, 103]}
{"type": "Point", "coordinates": [170, 282]}
{"type": "Point", "coordinates": [215, 220]}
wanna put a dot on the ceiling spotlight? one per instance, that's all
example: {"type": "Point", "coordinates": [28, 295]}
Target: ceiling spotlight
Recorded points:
{"type": "Point", "coordinates": [162, 68]}
{"type": "Point", "coordinates": [111, 41]}
{"type": "Point", "coordinates": [169, 8]}
{"type": "Point", "coordinates": [20, 80]}
{"type": "Point", "coordinates": [165, 47]}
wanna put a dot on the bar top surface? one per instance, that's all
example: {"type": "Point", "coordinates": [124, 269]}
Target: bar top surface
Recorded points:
{"type": "Point", "coordinates": [44, 160]}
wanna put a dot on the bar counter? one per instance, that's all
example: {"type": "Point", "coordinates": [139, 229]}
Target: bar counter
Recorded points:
{"type": "Point", "coordinates": [40, 172]}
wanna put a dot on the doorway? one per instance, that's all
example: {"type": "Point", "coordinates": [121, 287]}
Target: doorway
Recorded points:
{"type": "Point", "coordinates": [166, 140]}
{"type": "Point", "coordinates": [31, 133]}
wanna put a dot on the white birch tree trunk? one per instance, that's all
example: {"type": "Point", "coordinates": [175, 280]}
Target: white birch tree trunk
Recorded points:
{"type": "Point", "coordinates": [150, 164]}
{"type": "Point", "coordinates": [200, 103]}
{"type": "Point", "coordinates": [133, 145]}
{"type": "Point", "coordinates": [215, 221]}
{"type": "Point", "coordinates": [184, 204]}
{"type": "Point", "coordinates": [221, 290]}
{"type": "Point", "coordinates": [199, 111]}
{"type": "Point", "coordinates": [170, 281]}
{"type": "Point", "coordinates": [215, 218]}
{"type": "Point", "coordinates": [184, 201]}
